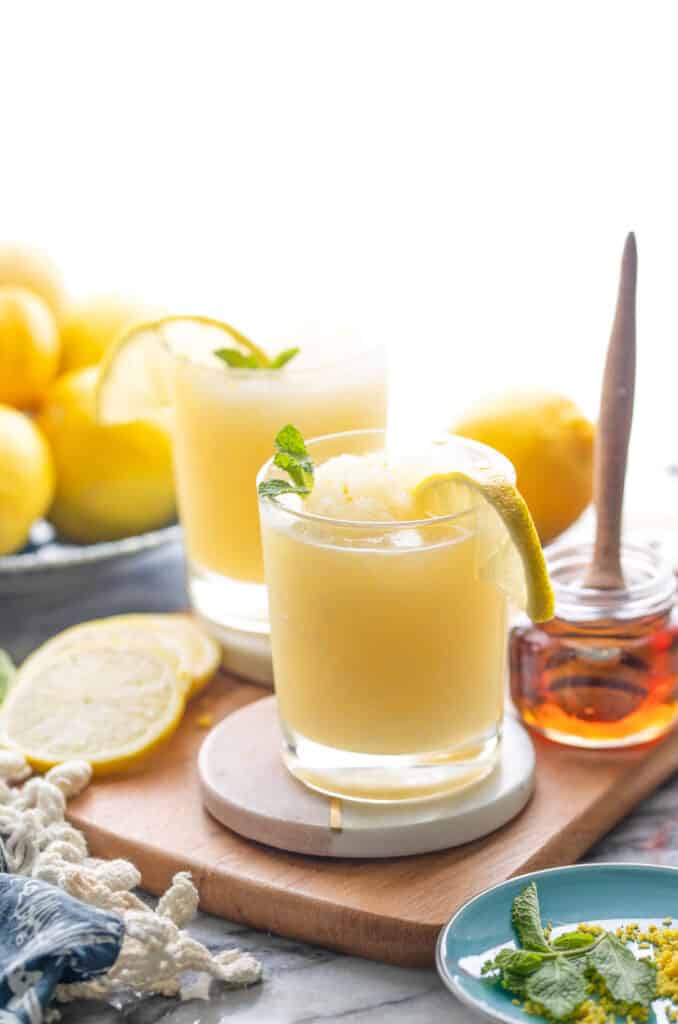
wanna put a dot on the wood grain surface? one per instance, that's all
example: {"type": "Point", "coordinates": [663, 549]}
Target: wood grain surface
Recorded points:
{"type": "Point", "coordinates": [389, 910]}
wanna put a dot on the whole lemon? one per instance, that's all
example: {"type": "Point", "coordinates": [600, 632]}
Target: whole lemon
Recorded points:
{"type": "Point", "coordinates": [32, 269]}
{"type": "Point", "coordinates": [550, 443]}
{"type": "Point", "coordinates": [29, 347]}
{"type": "Point", "coordinates": [112, 481]}
{"type": "Point", "coordinates": [26, 478]}
{"type": "Point", "coordinates": [90, 327]}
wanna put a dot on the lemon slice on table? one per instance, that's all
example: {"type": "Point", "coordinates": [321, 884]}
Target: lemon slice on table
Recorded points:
{"type": "Point", "coordinates": [511, 555]}
{"type": "Point", "coordinates": [134, 380]}
{"type": "Point", "coordinates": [192, 654]}
{"type": "Point", "coordinates": [106, 706]}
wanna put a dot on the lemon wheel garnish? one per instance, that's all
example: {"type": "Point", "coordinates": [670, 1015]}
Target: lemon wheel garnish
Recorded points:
{"type": "Point", "coordinates": [134, 381]}
{"type": "Point", "coordinates": [106, 706]}
{"type": "Point", "coordinates": [193, 655]}
{"type": "Point", "coordinates": [511, 555]}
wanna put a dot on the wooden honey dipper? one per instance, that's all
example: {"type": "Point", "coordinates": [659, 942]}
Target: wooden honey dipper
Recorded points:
{"type": "Point", "coordinates": [614, 430]}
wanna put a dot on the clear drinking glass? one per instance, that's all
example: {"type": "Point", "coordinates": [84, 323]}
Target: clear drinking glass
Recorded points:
{"type": "Point", "coordinates": [225, 420]}
{"type": "Point", "coordinates": [389, 648]}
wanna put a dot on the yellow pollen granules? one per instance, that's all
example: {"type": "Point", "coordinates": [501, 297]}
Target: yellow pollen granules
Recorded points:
{"type": "Point", "coordinates": [601, 1009]}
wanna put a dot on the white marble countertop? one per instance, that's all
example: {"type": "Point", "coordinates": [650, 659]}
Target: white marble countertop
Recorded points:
{"type": "Point", "coordinates": [302, 984]}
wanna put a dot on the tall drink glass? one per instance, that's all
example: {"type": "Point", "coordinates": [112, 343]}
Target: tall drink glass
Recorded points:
{"type": "Point", "coordinates": [389, 647]}
{"type": "Point", "coordinates": [224, 421]}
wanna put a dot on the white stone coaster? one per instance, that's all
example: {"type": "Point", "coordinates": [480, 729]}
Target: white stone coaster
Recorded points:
{"type": "Point", "coordinates": [246, 787]}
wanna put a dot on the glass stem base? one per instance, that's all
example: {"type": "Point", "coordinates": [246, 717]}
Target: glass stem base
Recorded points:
{"type": "Point", "coordinates": [227, 602]}
{"type": "Point", "coordinates": [389, 778]}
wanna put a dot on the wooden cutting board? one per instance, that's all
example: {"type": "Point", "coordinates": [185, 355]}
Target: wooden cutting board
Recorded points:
{"type": "Point", "coordinates": [389, 910]}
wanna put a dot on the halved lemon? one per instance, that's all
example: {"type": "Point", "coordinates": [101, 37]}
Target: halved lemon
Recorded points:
{"type": "Point", "coordinates": [134, 380]}
{"type": "Point", "coordinates": [106, 706]}
{"type": "Point", "coordinates": [192, 654]}
{"type": "Point", "coordinates": [511, 555]}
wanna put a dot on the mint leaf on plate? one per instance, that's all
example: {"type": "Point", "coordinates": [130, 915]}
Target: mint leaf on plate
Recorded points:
{"type": "Point", "coordinates": [628, 980]}
{"type": "Point", "coordinates": [559, 986]}
{"type": "Point", "coordinates": [518, 961]}
{"type": "Point", "coordinates": [574, 940]}
{"type": "Point", "coordinates": [526, 920]}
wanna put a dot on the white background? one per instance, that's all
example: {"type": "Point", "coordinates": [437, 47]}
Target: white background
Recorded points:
{"type": "Point", "coordinates": [456, 178]}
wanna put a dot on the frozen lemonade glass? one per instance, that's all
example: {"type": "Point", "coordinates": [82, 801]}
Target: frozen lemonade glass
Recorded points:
{"type": "Point", "coordinates": [224, 419]}
{"type": "Point", "coordinates": [388, 625]}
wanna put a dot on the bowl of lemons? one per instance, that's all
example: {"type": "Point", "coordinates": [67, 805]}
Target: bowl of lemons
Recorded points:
{"type": "Point", "coordinates": [74, 493]}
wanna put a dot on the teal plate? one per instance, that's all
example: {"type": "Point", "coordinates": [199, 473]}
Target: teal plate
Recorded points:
{"type": "Point", "coordinates": [608, 894]}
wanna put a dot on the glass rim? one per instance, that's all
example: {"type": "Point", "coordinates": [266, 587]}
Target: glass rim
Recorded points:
{"type": "Point", "coordinates": [366, 524]}
{"type": "Point", "coordinates": [267, 373]}
{"type": "Point", "coordinates": [647, 595]}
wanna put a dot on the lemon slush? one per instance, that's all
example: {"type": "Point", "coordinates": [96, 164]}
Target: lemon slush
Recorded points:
{"type": "Point", "coordinates": [388, 630]}
{"type": "Point", "coordinates": [224, 421]}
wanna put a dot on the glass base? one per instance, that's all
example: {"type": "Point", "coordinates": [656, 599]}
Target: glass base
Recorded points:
{"type": "Point", "coordinates": [228, 603]}
{"type": "Point", "coordinates": [388, 778]}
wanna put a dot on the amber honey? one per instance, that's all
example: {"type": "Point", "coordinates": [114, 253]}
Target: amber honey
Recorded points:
{"type": "Point", "coordinates": [604, 671]}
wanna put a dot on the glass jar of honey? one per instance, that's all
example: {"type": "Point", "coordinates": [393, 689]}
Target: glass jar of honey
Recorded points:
{"type": "Point", "coordinates": [604, 671]}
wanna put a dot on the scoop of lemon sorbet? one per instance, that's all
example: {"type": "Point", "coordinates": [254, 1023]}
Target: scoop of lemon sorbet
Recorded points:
{"type": "Point", "coordinates": [361, 488]}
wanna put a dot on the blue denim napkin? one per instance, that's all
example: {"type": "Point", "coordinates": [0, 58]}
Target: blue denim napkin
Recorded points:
{"type": "Point", "coordinates": [48, 938]}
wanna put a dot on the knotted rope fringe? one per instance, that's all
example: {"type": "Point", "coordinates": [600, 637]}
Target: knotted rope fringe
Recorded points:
{"type": "Point", "coordinates": [36, 840]}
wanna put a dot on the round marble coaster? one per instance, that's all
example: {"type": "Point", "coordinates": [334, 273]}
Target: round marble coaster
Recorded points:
{"type": "Point", "coordinates": [246, 787]}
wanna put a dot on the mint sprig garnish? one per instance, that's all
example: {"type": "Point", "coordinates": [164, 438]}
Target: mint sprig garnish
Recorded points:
{"type": "Point", "coordinates": [557, 975]}
{"type": "Point", "coordinates": [7, 673]}
{"type": "Point", "coordinates": [283, 358]}
{"type": "Point", "coordinates": [238, 360]}
{"type": "Point", "coordinates": [292, 457]}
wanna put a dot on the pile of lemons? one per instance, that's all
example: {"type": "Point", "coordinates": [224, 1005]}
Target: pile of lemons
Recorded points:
{"type": "Point", "coordinates": [93, 481]}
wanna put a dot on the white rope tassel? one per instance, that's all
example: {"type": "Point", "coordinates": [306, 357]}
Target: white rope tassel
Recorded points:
{"type": "Point", "coordinates": [156, 952]}
{"type": "Point", "coordinates": [154, 956]}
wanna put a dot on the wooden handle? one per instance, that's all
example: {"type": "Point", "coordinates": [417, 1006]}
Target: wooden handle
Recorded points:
{"type": "Point", "coordinates": [614, 429]}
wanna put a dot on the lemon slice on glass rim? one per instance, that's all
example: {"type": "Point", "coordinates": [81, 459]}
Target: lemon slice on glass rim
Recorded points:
{"type": "Point", "coordinates": [106, 706]}
{"type": "Point", "coordinates": [134, 379]}
{"type": "Point", "coordinates": [510, 553]}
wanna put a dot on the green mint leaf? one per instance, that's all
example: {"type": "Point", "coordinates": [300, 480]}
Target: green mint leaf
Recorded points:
{"type": "Point", "coordinates": [515, 983]}
{"type": "Point", "coordinates": [526, 919]}
{"type": "Point", "coordinates": [290, 439]}
{"type": "Point", "coordinates": [518, 961]}
{"type": "Point", "coordinates": [7, 673]}
{"type": "Point", "coordinates": [291, 449]}
{"type": "Point", "coordinates": [559, 986]}
{"type": "Point", "coordinates": [283, 358]}
{"type": "Point", "coordinates": [292, 457]}
{"type": "Point", "coordinates": [272, 488]}
{"type": "Point", "coordinates": [627, 979]}
{"type": "Point", "coordinates": [289, 463]}
{"type": "Point", "coordinates": [234, 358]}
{"type": "Point", "coordinates": [574, 940]}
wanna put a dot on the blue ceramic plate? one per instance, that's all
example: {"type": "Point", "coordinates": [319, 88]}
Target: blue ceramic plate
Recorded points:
{"type": "Point", "coordinates": [607, 894]}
